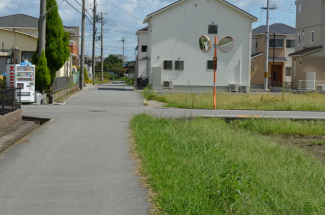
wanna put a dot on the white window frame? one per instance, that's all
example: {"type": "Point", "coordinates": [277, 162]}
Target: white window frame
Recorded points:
{"type": "Point", "coordinates": [299, 8]}
{"type": "Point", "coordinates": [312, 39]}
{"type": "Point", "coordinates": [299, 40]}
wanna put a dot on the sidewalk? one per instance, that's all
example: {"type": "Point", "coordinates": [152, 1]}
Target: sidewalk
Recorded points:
{"type": "Point", "coordinates": [78, 163]}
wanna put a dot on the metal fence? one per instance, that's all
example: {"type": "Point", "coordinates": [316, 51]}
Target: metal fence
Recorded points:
{"type": "Point", "coordinates": [10, 100]}
{"type": "Point", "coordinates": [61, 83]}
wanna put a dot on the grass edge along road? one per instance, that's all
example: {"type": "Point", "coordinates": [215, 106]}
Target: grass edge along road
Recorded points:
{"type": "Point", "coordinates": [205, 166]}
{"type": "Point", "coordinates": [241, 101]}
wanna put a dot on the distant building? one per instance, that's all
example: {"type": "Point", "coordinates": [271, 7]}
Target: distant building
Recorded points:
{"type": "Point", "coordinates": [281, 43]}
{"type": "Point", "coordinates": [309, 57]}
{"type": "Point", "coordinates": [121, 57]}
{"type": "Point", "coordinates": [169, 53]}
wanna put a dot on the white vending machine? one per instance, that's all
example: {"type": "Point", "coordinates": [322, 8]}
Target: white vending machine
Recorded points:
{"type": "Point", "coordinates": [22, 76]}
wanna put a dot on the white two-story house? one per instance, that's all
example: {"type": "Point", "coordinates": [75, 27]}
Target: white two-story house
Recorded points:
{"type": "Point", "coordinates": [169, 53]}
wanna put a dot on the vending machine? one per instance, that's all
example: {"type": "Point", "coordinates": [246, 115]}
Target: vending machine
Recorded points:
{"type": "Point", "coordinates": [22, 76]}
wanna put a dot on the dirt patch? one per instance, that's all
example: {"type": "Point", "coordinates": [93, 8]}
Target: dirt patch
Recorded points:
{"type": "Point", "coordinates": [313, 145]}
{"type": "Point", "coordinates": [153, 103]}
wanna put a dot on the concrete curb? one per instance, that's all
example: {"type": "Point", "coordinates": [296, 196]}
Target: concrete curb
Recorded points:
{"type": "Point", "coordinates": [11, 134]}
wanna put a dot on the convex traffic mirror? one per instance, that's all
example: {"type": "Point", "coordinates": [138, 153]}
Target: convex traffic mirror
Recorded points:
{"type": "Point", "coordinates": [205, 44]}
{"type": "Point", "coordinates": [226, 44]}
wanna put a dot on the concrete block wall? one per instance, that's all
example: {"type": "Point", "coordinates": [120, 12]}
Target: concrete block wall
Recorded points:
{"type": "Point", "coordinates": [10, 118]}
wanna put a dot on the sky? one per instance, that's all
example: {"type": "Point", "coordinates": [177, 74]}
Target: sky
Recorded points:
{"type": "Point", "coordinates": [124, 17]}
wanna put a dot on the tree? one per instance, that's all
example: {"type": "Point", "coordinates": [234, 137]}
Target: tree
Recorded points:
{"type": "Point", "coordinates": [57, 41]}
{"type": "Point", "coordinates": [42, 77]}
{"type": "Point", "coordinates": [113, 63]}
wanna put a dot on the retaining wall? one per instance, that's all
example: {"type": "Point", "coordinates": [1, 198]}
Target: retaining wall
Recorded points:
{"type": "Point", "coordinates": [10, 118]}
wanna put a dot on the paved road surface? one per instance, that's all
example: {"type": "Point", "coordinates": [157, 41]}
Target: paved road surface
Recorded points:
{"type": "Point", "coordinates": [78, 163]}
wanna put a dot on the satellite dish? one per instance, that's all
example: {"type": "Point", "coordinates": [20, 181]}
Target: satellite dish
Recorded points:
{"type": "Point", "coordinates": [205, 44]}
{"type": "Point", "coordinates": [226, 44]}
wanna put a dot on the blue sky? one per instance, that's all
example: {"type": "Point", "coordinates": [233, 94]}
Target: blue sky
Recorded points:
{"type": "Point", "coordinates": [124, 17]}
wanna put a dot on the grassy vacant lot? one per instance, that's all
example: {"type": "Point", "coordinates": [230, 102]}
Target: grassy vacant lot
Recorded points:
{"type": "Point", "coordinates": [248, 101]}
{"type": "Point", "coordinates": [207, 166]}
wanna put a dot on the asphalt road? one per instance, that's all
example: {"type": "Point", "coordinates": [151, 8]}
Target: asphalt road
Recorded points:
{"type": "Point", "coordinates": [79, 162]}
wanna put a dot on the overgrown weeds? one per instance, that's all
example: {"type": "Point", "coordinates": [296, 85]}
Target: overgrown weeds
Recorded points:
{"type": "Point", "coordinates": [209, 167]}
{"type": "Point", "coordinates": [248, 101]}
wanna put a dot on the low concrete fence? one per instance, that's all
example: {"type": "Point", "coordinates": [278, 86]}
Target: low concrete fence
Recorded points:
{"type": "Point", "coordinates": [10, 118]}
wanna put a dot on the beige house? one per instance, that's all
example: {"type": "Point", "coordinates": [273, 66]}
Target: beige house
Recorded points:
{"type": "Point", "coordinates": [281, 44]}
{"type": "Point", "coordinates": [309, 57]}
{"type": "Point", "coordinates": [20, 31]}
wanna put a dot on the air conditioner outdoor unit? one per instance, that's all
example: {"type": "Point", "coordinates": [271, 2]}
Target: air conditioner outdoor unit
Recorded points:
{"type": "Point", "coordinates": [233, 87]}
{"type": "Point", "coordinates": [321, 87]}
{"type": "Point", "coordinates": [167, 84]}
{"type": "Point", "coordinates": [244, 89]}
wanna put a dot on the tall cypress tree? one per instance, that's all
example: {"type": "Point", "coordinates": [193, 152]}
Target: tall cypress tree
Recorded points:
{"type": "Point", "coordinates": [42, 76]}
{"type": "Point", "coordinates": [57, 41]}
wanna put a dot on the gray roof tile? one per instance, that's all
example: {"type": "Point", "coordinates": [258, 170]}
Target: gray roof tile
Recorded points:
{"type": "Point", "coordinates": [277, 28]}
{"type": "Point", "coordinates": [19, 21]}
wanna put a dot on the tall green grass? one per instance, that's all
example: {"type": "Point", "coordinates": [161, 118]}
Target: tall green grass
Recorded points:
{"type": "Point", "coordinates": [253, 101]}
{"type": "Point", "coordinates": [206, 167]}
{"type": "Point", "coordinates": [282, 126]}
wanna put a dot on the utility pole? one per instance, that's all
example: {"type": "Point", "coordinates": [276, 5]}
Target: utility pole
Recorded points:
{"type": "Point", "coordinates": [102, 48]}
{"type": "Point", "coordinates": [82, 64]}
{"type": "Point", "coordinates": [266, 74]}
{"type": "Point", "coordinates": [123, 40]}
{"type": "Point", "coordinates": [41, 28]}
{"type": "Point", "coordinates": [94, 40]}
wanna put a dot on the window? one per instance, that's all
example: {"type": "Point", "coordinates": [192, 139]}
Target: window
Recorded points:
{"type": "Point", "coordinates": [294, 68]}
{"type": "Point", "coordinates": [303, 37]}
{"type": "Point", "coordinates": [299, 8]}
{"type": "Point", "coordinates": [299, 39]}
{"type": "Point", "coordinates": [290, 43]}
{"type": "Point", "coordinates": [210, 64]}
{"type": "Point", "coordinates": [168, 64]}
{"type": "Point", "coordinates": [277, 43]}
{"type": "Point", "coordinates": [179, 65]}
{"type": "Point", "coordinates": [312, 37]}
{"type": "Point", "coordinates": [144, 48]}
{"type": "Point", "coordinates": [213, 29]}
{"type": "Point", "coordinates": [288, 71]}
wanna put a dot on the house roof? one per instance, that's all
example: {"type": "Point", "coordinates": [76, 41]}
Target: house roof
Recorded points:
{"type": "Point", "coordinates": [180, 1]}
{"type": "Point", "coordinates": [256, 55]}
{"type": "Point", "coordinates": [145, 29]}
{"type": "Point", "coordinates": [24, 21]}
{"type": "Point", "coordinates": [277, 28]}
{"type": "Point", "coordinates": [19, 21]}
{"type": "Point", "coordinates": [307, 51]}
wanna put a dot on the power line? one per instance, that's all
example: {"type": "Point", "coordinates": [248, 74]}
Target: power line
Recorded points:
{"type": "Point", "coordinates": [122, 10]}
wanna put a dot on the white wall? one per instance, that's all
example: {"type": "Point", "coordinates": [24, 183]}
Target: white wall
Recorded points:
{"type": "Point", "coordinates": [174, 35]}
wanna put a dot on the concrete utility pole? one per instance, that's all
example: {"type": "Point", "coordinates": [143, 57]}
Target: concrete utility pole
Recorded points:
{"type": "Point", "coordinates": [94, 40]}
{"type": "Point", "coordinates": [82, 60]}
{"type": "Point", "coordinates": [41, 28]}
{"type": "Point", "coordinates": [123, 40]}
{"type": "Point", "coordinates": [102, 48]}
{"type": "Point", "coordinates": [266, 74]}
